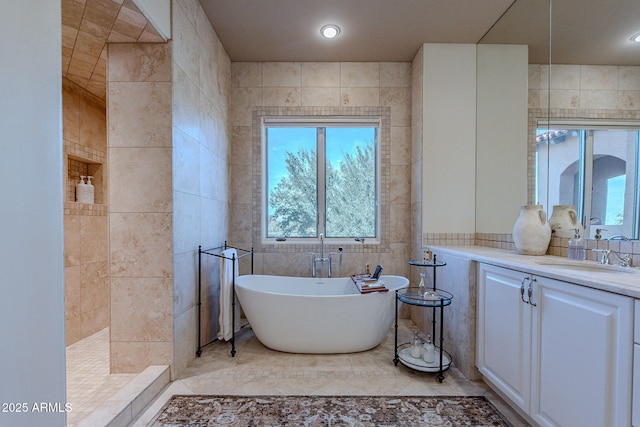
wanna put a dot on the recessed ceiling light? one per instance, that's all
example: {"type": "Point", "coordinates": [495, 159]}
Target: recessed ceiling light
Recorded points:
{"type": "Point", "coordinates": [635, 38]}
{"type": "Point", "coordinates": [330, 31]}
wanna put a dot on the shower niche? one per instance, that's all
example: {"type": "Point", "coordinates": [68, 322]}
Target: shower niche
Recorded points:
{"type": "Point", "coordinates": [82, 166]}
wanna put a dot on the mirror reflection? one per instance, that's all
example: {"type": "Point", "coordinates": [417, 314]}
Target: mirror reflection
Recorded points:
{"type": "Point", "coordinates": [586, 150]}
{"type": "Point", "coordinates": [525, 24]}
{"type": "Point", "coordinates": [594, 168]}
{"type": "Point", "coordinates": [584, 114]}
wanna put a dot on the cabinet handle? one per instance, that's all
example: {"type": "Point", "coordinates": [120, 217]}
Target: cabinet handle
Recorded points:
{"type": "Point", "coordinates": [530, 292]}
{"type": "Point", "coordinates": [522, 289]}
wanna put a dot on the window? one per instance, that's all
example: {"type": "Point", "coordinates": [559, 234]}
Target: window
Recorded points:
{"type": "Point", "coordinates": [593, 166]}
{"type": "Point", "coordinates": [320, 177]}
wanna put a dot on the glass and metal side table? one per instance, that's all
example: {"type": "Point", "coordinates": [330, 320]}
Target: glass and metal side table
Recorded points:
{"type": "Point", "coordinates": [429, 297]}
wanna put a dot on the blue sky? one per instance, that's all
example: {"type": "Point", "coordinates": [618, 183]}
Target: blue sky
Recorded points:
{"type": "Point", "coordinates": [339, 140]}
{"type": "Point", "coordinates": [615, 198]}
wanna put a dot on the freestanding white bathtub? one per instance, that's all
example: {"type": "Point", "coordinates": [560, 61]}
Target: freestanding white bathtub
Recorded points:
{"type": "Point", "coordinates": [311, 315]}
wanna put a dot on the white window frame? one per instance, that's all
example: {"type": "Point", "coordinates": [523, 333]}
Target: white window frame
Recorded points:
{"type": "Point", "coordinates": [319, 122]}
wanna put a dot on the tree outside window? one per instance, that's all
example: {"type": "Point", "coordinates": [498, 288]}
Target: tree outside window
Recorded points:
{"type": "Point", "coordinates": [321, 179]}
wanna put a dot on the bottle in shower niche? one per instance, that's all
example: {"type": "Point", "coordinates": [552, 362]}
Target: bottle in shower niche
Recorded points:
{"type": "Point", "coordinates": [429, 351]}
{"type": "Point", "coordinates": [577, 247]}
{"type": "Point", "coordinates": [415, 350]}
{"type": "Point", "coordinates": [81, 190]}
{"type": "Point", "coordinates": [90, 191]}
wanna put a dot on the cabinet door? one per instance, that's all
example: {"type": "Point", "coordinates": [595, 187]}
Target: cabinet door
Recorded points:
{"type": "Point", "coordinates": [503, 333]}
{"type": "Point", "coordinates": [635, 407]}
{"type": "Point", "coordinates": [582, 359]}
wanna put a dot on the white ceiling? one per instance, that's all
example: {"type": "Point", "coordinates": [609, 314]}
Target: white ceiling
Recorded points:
{"type": "Point", "coordinates": [583, 31]}
{"type": "Point", "coordinates": [371, 30]}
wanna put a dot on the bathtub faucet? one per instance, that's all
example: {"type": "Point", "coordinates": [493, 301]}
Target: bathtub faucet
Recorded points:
{"type": "Point", "coordinates": [321, 259]}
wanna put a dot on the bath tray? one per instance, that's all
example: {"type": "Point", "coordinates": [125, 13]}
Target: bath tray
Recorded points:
{"type": "Point", "coordinates": [367, 287]}
{"type": "Point", "coordinates": [420, 365]}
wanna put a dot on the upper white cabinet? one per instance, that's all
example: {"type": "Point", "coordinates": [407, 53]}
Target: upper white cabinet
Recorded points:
{"type": "Point", "coordinates": [473, 137]}
{"type": "Point", "coordinates": [561, 352]}
{"type": "Point", "coordinates": [448, 138]}
{"type": "Point", "coordinates": [502, 79]}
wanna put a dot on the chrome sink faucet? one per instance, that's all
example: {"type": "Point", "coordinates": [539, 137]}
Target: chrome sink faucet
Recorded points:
{"type": "Point", "coordinates": [619, 237]}
{"type": "Point", "coordinates": [624, 260]}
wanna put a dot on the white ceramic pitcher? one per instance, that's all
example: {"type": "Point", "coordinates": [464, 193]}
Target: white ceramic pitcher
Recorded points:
{"type": "Point", "coordinates": [531, 231]}
{"type": "Point", "coordinates": [564, 221]}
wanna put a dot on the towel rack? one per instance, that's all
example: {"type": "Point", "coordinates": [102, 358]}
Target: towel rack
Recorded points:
{"type": "Point", "coordinates": [217, 252]}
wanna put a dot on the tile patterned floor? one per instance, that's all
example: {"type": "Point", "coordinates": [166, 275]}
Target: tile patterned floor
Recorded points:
{"type": "Point", "coordinates": [89, 383]}
{"type": "Point", "coordinates": [258, 370]}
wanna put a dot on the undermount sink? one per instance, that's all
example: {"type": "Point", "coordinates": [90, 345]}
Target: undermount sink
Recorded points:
{"type": "Point", "coordinates": [587, 266]}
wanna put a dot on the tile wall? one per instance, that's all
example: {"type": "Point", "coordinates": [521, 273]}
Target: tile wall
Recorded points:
{"type": "Point", "coordinates": [140, 205]}
{"type": "Point", "coordinates": [168, 147]}
{"type": "Point", "coordinates": [87, 26]}
{"type": "Point", "coordinates": [85, 226]}
{"type": "Point", "coordinates": [201, 168]}
{"type": "Point", "coordinates": [329, 88]}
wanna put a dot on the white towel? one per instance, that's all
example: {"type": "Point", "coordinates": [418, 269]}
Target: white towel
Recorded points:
{"type": "Point", "coordinates": [226, 295]}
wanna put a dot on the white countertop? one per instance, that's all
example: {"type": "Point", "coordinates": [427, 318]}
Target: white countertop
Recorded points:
{"type": "Point", "coordinates": [619, 280]}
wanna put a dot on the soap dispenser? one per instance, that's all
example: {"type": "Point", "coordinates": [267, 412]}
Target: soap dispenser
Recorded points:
{"type": "Point", "coordinates": [576, 249]}
{"type": "Point", "coordinates": [81, 190]}
{"type": "Point", "coordinates": [90, 191]}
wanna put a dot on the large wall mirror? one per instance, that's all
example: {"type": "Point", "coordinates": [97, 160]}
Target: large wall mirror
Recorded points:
{"type": "Point", "coordinates": [587, 151]}
{"type": "Point", "coordinates": [583, 109]}
{"type": "Point", "coordinates": [508, 112]}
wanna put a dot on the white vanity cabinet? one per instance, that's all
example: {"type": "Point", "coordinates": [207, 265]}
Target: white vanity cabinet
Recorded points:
{"type": "Point", "coordinates": [635, 411]}
{"type": "Point", "coordinates": [561, 352]}
{"type": "Point", "coordinates": [503, 350]}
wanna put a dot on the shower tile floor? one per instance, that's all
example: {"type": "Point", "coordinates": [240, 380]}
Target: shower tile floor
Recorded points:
{"type": "Point", "coordinates": [257, 370]}
{"type": "Point", "coordinates": [89, 383]}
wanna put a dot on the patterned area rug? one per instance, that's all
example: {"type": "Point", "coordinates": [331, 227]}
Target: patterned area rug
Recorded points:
{"type": "Point", "coordinates": [362, 411]}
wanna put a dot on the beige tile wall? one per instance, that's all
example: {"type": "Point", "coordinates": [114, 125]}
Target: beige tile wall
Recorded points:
{"type": "Point", "coordinates": [201, 151]}
{"type": "Point", "coordinates": [140, 205]}
{"type": "Point", "coordinates": [294, 88]}
{"type": "Point", "coordinates": [85, 226]}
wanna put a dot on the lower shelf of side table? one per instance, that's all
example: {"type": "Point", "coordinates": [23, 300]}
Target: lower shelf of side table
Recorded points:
{"type": "Point", "coordinates": [420, 365]}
